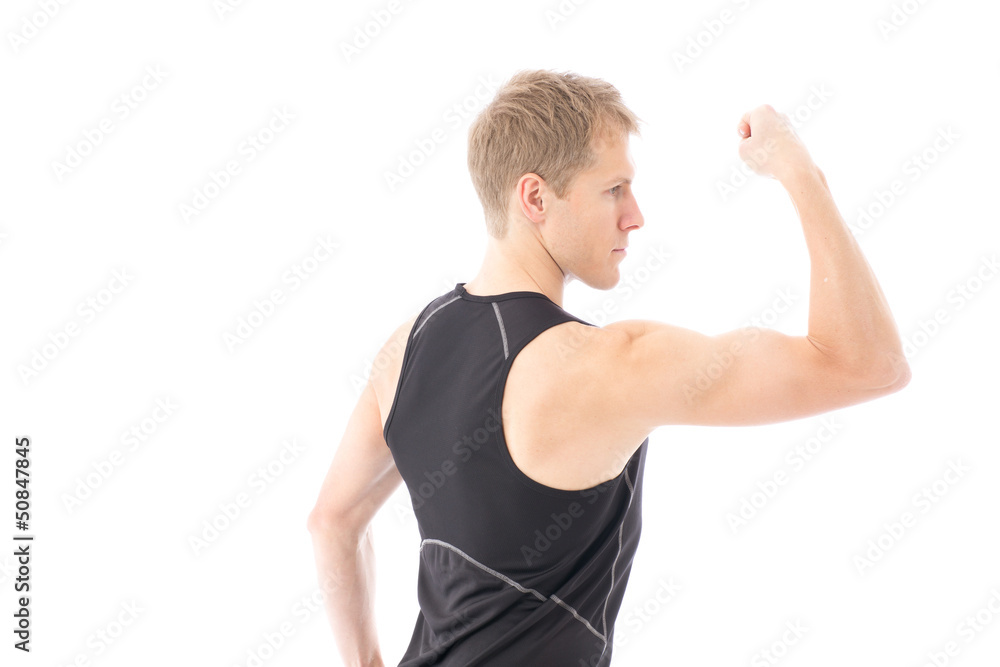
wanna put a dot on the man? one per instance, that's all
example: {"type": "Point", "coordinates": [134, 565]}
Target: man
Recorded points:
{"type": "Point", "coordinates": [521, 430]}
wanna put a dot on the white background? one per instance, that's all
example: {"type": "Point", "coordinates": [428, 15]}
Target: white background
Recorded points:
{"type": "Point", "coordinates": [882, 100]}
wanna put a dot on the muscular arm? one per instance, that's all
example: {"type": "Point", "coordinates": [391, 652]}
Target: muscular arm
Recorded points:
{"type": "Point", "coordinates": [361, 478]}
{"type": "Point", "coordinates": [849, 318]}
{"type": "Point", "coordinates": [359, 481]}
{"type": "Point", "coordinates": [347, 565]}
{"type": "Point", "coordinates": [654, 374]}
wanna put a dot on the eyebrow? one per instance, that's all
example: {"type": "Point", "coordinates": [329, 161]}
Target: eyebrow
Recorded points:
{"type": "Point", "coordinates": [620, 179]}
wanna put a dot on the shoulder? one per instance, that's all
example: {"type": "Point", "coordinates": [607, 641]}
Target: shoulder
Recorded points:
{"type": "Point", "coordinates": [571, 419]}
{"type": "Point", "coordinates": [595, 371]}
{"type": "Point", "coordinates": [574, 358]}
{"type": "Point", "coordinates": [578, 347]}
{"type": "Point", "coordinates": [387, 364]}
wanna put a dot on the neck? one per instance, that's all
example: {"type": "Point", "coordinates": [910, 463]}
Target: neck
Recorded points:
{"type": "Point", "coordinates": [514, 264]}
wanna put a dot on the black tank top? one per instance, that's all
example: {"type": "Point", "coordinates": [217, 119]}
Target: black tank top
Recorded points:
{"type": "Point", "coordinates": [512, 572]}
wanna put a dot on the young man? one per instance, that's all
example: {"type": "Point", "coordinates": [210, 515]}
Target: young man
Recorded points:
{"type": "Point", "coordinates": [521, 430]}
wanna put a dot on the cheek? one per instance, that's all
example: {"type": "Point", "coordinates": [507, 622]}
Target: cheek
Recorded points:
{"type": "Point", "coordinates": [583, 231]}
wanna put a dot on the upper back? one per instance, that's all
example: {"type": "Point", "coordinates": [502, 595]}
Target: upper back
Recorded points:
{"type": "Point", "coordinates": [557, 423]}
{"type": "Point", "coordinates": [479, 513]}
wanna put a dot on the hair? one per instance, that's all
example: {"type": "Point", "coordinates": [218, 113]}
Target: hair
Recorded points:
{"type": "Point", "coordinates": [541, 122]}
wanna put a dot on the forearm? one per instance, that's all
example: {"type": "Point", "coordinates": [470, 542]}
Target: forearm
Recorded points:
{"type": "Point", "coordinates": [849, 317]}
{"type": "Point", "coordinates": [348, 563]}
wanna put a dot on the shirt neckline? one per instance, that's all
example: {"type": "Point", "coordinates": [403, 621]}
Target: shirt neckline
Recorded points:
{"type": "Point", "coordinates": [460, 290]}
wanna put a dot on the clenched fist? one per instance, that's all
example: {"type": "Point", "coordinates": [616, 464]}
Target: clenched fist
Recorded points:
{"type": "Point", "coordinates": [770, 146]}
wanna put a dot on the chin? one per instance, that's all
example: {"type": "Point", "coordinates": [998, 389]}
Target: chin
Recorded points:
{"type": "Point", "coordinates": [603, 282]}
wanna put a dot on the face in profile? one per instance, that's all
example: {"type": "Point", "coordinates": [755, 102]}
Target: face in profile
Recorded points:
{"type": "Point", "coordinates": [587, 230]}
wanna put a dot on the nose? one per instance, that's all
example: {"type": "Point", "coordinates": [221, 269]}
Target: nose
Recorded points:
{"type": "Point", "coordinates": [633, 216]}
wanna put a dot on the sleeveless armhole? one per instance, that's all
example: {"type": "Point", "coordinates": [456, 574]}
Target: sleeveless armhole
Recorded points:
{"type": "Point", "coordinates": [500, 439]}
{"type": "Point", "coordinates": [402, 370]}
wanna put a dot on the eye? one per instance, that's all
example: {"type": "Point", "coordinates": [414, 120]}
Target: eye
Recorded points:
{"type": "Point", "coordinates": [614, 189]}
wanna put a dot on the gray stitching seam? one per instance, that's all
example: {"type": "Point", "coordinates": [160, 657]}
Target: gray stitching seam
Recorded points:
{"type": "Point", "coordinates": [604, 614]}
{"type": "Point", "coordinates": [504, 578]}
{"type": "Point", "coordinates": [503, 332]}
{"type": "Point", "coordinates": [432, 313]}
{"type": "Point", "coordinates": [581, 619]}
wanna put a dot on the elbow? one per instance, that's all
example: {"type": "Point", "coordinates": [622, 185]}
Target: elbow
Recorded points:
{"type": "Point", "coordinates": [888, 370]}
{"type": "Point", "coordinates": [319, 522]}
{"type": "Point", "coordinates": [330, 525]}
{"type": "Point", "coordinates": [903, 378]}
{"type": "Point", "coordinates": [893, 379]}
{"type": "Point", "coordinates": [898, 374]}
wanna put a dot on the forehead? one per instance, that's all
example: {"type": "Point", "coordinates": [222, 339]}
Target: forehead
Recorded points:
{"type": "Point", "coordinates": [612, 160]}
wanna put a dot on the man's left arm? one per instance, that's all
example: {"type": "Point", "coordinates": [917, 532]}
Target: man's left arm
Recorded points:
{"type": "Point", "coordinates": [361, 478]}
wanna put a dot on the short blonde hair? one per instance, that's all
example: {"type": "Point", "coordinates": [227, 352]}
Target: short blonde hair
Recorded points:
{"type": "Point", "coordinates": [541, 122]}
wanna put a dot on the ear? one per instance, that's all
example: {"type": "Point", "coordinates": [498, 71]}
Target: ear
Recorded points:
{"type": "Point", "coordinates": [529, 197]}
